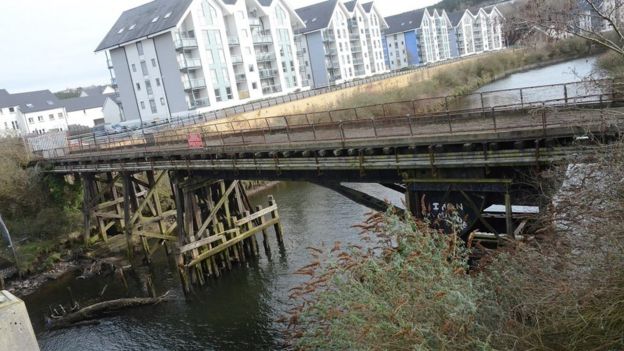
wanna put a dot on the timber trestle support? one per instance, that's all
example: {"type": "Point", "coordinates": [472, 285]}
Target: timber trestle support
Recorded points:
{"type": "Point", "coordinates": [208, 224]}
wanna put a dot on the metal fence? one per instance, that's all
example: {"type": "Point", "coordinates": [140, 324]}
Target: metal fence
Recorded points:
{"type": "Point", "coordinates": [503, 110]}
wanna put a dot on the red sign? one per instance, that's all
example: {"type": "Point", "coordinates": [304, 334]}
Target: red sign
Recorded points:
{"type": "Point", "coordinates": [195, 141]}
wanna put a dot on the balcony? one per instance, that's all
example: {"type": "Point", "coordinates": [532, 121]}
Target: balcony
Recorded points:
{"type": "Point", "coordinates": [329, 38]}
{"type": "Point", "coordinates": [358, 62]}
{"type": "Point", "coordinates": [237, 59]}
{"type": "Point", "coordinates": [185, 43]}
{"type": "Point", "coordinates": [203, 102]}
{"type": "Point", "coordinates": [330, 52]}
{"type": "Point", "coordinates": [233, 41]}
{"type": "Point", "coordinates": [264, 56]}
{"type": "Point", "coordinates": [268, 73]}
{"type": "Point", "coordinates": [254, 22]}
{"type": "Point", "coordinates": [194, 84]}
{"type": "Point", "coordinates": [271, 89]}
{"type": "Point", "coordinates": [189, 63]}
{"type": "Point", "coordinates": [262, 39]}
{"type": "Point", "coordinates": [241, 78]}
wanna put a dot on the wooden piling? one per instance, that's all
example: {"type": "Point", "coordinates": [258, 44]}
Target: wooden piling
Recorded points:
{"type": "Point", "coordinates": [265, 236]}
{"type": "Point", "coordinates": [277, 225]}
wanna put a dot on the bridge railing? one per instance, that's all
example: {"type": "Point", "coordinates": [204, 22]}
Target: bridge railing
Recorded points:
{"type": "Point", "coordinates": [411, 118]}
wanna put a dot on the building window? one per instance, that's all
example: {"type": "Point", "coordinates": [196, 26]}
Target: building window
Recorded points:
{"type": "Point", "coordinates": [133, 68]}
{"type": "Point", "coordinates": [138, 86]}
{"type": "Point", "coordinates": [60, 115]}
{"type": "Point", "coordinates": [153, 106]}
{"type": "Point", "coordinates": [162, 101]}
{"type": "Point", "coordinates": [148, 87]}
{"type": "Point", "coordinates": [209, 12]}
{"type": "Point", "coordinates": [153, 62]}
{"type": "Point", "coordinates": [251, 68]}
{"type": "Point", "coordinates": [217, 94]}
{"type": "Point", "coordinates": [11, 109]}
{"type": "Point", "coordinates": [40, 118]}
{"type": "Point", "coordinates": [31, 120]}
{"type": "Point", "coordinates": [51, 116]}
{"type": "Point", "coordinates": [228, 91]}
{"type": "Point", "coordinates": [142, 105]}
{"type": "Point", "coordinates": [157, 82]}
{"type": "Point", "coordinates": [254, 85]}
{"type": "Point", "coordinates": [139, 46]}
{"type": "Point", "coordinates": [144, 68]}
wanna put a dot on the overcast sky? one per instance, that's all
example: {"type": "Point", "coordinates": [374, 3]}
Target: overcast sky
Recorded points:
{"type": "Point", "coordinates": [49, 44]}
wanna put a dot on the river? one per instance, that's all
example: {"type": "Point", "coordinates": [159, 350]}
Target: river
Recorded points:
{"type": "Point", "coordinates": [238, 311]}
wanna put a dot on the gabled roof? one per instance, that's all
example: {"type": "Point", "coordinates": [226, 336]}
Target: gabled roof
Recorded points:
{"type": "Point", "coordinates": [317, 16]}
{"type": "Point", "coordinates": [456, 17]}
{"type": "Point", "coordinates": [33, 101]}
{"type": "Point", "coordinates": [3, 92]}
{"type": "Point", "coordinates": [405, 21]}
{"type": "Point", "coordinates": [350, 5]}
{"type": "Point", "coordinates": [152, 18]}
{"type": "Point", "coordinates": [94, 90]}
{"type": "Point", "coordinates": [368, 6]}
{"type": "Point", "coordinates": [84, 103]}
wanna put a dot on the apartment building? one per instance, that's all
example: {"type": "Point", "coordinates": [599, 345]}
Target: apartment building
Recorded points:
{"type": "Point", "coordinates": [422, 37]}
{"type": "Point", "coordinates": [340, 42]}
{"type": "Point", "coordinates": [169, 57]}
{"type": "Point", "coordinates": [91, 110]}
{"type": "Point", "coordinates": [35, 112]}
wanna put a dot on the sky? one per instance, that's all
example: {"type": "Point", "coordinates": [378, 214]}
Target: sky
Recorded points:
{"type": "Point", "coordinates": [49, 44]}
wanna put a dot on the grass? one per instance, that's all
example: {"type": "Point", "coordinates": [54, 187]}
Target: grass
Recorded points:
{"type": "Point", "coordinates": [562, 290]}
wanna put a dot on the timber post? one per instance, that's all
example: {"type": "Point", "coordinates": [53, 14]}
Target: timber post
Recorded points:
{"type": "Point", "coordinates": [276, 218]}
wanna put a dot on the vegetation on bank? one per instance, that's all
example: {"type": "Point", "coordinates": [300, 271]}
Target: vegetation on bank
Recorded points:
{"type": "Point", "coordinates": [561, 290]}
{"type": "Point", "coordinates": [612, 64]}
{"type": "Point", "coordinates": [39, 209]}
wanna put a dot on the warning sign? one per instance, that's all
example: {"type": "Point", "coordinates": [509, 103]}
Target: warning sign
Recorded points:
{"type": "Point", "coordinates": [195, 141]}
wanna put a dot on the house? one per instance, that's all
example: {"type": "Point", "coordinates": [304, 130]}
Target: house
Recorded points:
{"type": "Point", "coordinates": [169, 57]}
{"type": "Point", "coordinates": [340, 42]}
{"type": "Point", "coordinates": [35, 112]}
{"type": "Point", "coordinates": [90, 111]}
{"type": "Point", "coordinates": [409, 39]}
{"type": "Point", "coordinates": [462, 23]}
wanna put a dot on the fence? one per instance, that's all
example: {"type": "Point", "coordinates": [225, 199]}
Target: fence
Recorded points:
{"type": "Point", "coordinates": [496, 111]}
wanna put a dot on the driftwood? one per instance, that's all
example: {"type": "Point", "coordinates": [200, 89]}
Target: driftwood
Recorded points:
{"type": "Point", "coordinates": [94, 311]}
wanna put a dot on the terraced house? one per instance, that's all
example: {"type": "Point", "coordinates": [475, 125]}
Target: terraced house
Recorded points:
{"type": "Point", "coordinates": [340, 42]}
{"type": "Point", "coordinates": [169, 57]}
{"type": "Point", "coordinates": [422, 37]}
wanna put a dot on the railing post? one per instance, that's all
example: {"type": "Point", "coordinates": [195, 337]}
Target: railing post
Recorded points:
{"type": "Point", "coordinates": [375, 127]}
{"type": "Point", "coordinates": [565, 94]}
{"type": "Point", "coordinates": [521, 98]}
{"type": "Point", "coordinates": [544, 117]}
{"type": "Point", "coordinates": [494, 119]}
{"type": "Point", "coordinates": [342, 133]}
{"type": "Point", "coordinates": [482, 104]}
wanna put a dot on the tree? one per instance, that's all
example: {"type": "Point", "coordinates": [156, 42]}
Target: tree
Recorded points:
{"type": "Point", "coordinates": [598, 21]}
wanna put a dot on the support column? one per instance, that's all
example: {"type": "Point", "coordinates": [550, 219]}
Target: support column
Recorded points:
{"type": "Point", "coordinates": [509, 215]}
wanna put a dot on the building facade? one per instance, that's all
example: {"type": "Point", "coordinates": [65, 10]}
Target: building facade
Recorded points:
{"type": "Point", "coordinates": [422, 37]}
{"type": "Point", "coordinates": [340, 42]}
{"type": "Point", "coordinates": [35, 112]}
{"type": "Point", "coordinates": [171, 57]}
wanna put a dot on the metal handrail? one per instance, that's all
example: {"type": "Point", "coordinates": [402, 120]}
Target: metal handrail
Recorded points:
{"type": "Point", "coordinates": [288, 129]}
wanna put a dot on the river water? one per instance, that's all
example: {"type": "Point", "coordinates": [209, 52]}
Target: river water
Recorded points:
{"type": "Point", "coordinates": [237, 311]}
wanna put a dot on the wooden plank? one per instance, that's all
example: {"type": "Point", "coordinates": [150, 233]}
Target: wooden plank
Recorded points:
{"type": "Point", "coordinates": [106, 204]}
{"type": "Point", "coordinates": [166, 214]}
{"type": "Point", "coordinates": [230, 243]}
{"type": "Point", "coordinates": [136, 215]}
{"type": "Point", "coordinates": [216, 208]}
{"type": "Point", "coordinates": [199, 243]}
{"type": "Point", "coordinates": [157, 236]}
{"type": "Point", "coordinates": [108, 215]}
{"type": "Point", "coordinates": [256, 215]}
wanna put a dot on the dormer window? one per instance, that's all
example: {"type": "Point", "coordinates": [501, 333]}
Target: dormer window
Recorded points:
{"type": "Point", "coordinates": [50, 102]}
{"type": "Point", "coordinates": [132, 27]}
{"type": "Point", "coordinates": [120, 31]}
{"type": "Point", "coordinates": [168, 15]}
{"type": "Point", "coordinates": [29, 105]}
{"type": "Point", "coordinates": [155, 19]}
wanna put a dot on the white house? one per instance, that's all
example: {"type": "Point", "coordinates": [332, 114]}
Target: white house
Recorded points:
{"type": "Point", "coordinates": [90, 111]}
{"type": "Point", "coordinates": [169, 57]}
{"type": "Point", "coordinates": [340, 42]}
{"type": "Point", "coordinates": [35, 112]}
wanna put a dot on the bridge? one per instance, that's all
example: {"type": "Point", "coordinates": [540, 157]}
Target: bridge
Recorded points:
{"type": "Point", "coordinates": [454, 158]}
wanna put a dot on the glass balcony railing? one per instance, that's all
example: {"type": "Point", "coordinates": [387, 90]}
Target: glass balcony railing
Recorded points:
{"type": "Point", "coordinates": [203, 102]}
{"type": "Point", "coordinates": [268, 73]}
{"type": "Point", "coordinates": [190, 63]}
{"type": "Point", "coordinates": [233, 41]}
{"type": "Point", "coordinates": [181, 43]}
{"type": "Point", "coordinates": [265, 56]}
{"type": "Point", "coordinates": [237, 59]}
{"type": "Point", "coordinates": [240, 78]}
{"type": "Point", "coordinates": [262, 39]}
{"type": "Point", "coordinates": [254, 22]}
{"type": "Point", "coordinates": [194, 84]}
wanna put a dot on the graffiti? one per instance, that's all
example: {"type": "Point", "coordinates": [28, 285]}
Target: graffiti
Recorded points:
{"type": "Point", "coordinates": [445, 216]}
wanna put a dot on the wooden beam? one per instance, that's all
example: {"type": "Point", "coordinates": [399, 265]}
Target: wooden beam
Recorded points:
{"type": "Point", "coordinates": [216, 208]}
{"type": "Point", "coordinates": [255, 216]}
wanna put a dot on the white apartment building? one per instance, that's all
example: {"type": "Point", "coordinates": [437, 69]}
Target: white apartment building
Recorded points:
{"type": "Point", "coordinates": [34, 112]}
{"type": "Point", "coordinates": [169, 57]}
{"type": "Point", "coordinates": [91, 110]}
{"type": "Point", "coordinates": [462, 22]}
{"type": "Point", "coordinates": [340, 42]}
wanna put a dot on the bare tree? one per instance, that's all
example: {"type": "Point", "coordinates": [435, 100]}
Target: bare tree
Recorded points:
{"type": "Point", "coordinates": [598, 21]}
